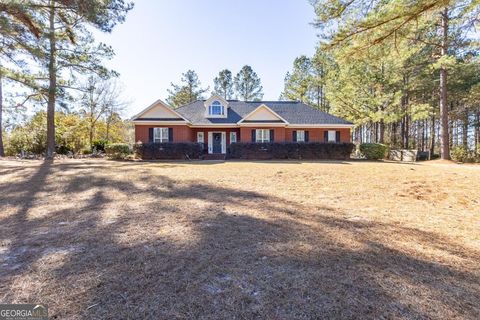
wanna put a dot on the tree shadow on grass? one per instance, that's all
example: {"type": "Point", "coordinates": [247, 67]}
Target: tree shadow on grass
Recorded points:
{"type": "Point", "coordinates": [168, 249]}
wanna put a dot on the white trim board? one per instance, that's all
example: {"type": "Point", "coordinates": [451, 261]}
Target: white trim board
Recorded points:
{"type": "Point", "coordinates": [321, 126]}
{"type": "Point", "coordinates": [248, 125]}
{"type": "Point", "coordinates": [160, 123]}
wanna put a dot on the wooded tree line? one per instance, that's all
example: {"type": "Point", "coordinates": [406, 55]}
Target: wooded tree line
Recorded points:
{"type": "Point", "coordinates": [48, 51]}
{"type": "Point", "coordinates": [405, 72]}
{"type": "Point", "coordinates": [246, 86]}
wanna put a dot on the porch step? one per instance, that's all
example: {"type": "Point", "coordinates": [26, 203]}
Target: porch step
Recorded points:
{"type": "Point", "coordinates": [214, 156]}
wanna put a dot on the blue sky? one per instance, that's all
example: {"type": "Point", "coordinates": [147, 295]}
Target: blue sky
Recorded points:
{"type": "Point", "coordinates": [163, 38]}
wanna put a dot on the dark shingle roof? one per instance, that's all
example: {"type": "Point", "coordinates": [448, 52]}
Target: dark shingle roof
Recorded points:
{"type": "Point", "coordinates": [292, 111]}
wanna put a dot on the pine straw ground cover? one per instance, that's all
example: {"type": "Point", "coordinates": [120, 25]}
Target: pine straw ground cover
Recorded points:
{"type": "Point", "coordinates": [97, 239]}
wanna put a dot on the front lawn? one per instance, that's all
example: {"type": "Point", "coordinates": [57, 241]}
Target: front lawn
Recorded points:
{"type": "Point", "coordinates": [240, 240]}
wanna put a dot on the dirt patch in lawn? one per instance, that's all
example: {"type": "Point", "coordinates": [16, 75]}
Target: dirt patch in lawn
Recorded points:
{"type": "Point", "coordinates": [279, 240]}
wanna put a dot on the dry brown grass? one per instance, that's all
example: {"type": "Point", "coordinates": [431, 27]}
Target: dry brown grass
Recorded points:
{"type": "Point", "coordinates": [240, 240]}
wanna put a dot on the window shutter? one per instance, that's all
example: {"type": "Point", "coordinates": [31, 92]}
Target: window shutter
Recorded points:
{"type": "Point", "coordinates": [337, 136]}
{"type": "Point", "coordinates": [272, 135]}
{"type": "Point", "coordinates": [306, 136]}
{"type": "Point", "coordinates": [294, 136]}
{"type": "Point", "coordinates": [325, 136]}
{"type": "Point", "coordinates": [170, 134]}
{"type": "Point", "coordinates": [253, 135]}
{"type": "Point", "coordinates": [150, 134]}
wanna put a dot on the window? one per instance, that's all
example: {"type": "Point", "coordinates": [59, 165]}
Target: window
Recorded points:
{"type": "Point", "coordinates": [216, 109]}
{"type": "Point", "coordinates": [200, 137]}
{"type": "Point", "coordinates": [332, 136]}
{"type": "Point", "coordinates": [233, 137]}
{"type": "Point", "coordinates": [160, 135]}
{"type": "Point", "coordinates": [262, 135]}
{"type": "Point", "coordinates": [300, 136]}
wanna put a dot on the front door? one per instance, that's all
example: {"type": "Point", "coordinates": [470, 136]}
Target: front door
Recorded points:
{"type": "Point", "coordinates": [217, 142]}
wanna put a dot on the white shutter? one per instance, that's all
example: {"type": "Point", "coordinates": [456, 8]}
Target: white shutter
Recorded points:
{"type": "Point", "coordinates": [210, 144]}
{"type": "Point", "coordinates": [224, 142]}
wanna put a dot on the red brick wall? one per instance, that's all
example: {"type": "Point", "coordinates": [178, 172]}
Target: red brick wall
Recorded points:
{"type": "Point", "coordinates": [206, 130]}
{"type": "Point", "coordinates": [181, 133]}
{"type": "Point", "coordinates": [246, 133]}
{"type": "Point", "coordinates": [317, 134]}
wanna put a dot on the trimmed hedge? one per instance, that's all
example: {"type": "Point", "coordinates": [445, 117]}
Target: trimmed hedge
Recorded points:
{"type": "Point", "coordinates": [291, 150]}
{"type": "Point", "coordinates": [168, 151]}
{"type": "Point", "coordinates": [117, 150]}
{"type": "Point", "coordinates": [374, 151]}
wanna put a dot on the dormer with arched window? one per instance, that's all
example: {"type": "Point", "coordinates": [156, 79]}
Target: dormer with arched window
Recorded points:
{"type": "Point", "coordinates": [216, 107]}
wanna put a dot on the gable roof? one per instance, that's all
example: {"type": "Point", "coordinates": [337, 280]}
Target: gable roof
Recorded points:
{"type": "Point", "coordinates": [159, 111]}
{"type": "Point", "coordinates": [264, 116]}
{"type": "Point", "coordinates": [293, 112]}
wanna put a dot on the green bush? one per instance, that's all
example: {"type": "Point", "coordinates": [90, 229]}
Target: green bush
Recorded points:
{"type": "Point", "coordinates": [99, 145]}
{"type": "Point", "coordinates": [62, 149]}
{"type": "Point", "coordinates": [290, 150]}
{"type": "Point", "coordinates": [168, 151]}
{"type": "Point", "coordinates": [461, 154]}
{"type": "Point", "coordinates": [374, 151]}
{"type": "Point", "coordinates": [117, 150]}
{"type": "Point", "coordinates": [86, 151]}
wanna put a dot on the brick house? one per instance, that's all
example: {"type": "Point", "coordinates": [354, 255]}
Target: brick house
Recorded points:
{"type": "Point", "coordinates": [217, 123]}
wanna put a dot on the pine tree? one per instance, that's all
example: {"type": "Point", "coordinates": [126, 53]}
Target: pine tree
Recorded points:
{"type": "Point", "coordinates": [248, 85]}
{"type": "Point", "coordinates": [68, 46]}
{"type": "Point", "coordinates": [372, 23]}
{"type": "Point", "coordinates": [188, 91]}
{"type": "Point", "coordinates": [18, 32]}
{"type": "Point", "coordinates": [223, 84]}
{"type": "Point", "coordinates": [298, 82]}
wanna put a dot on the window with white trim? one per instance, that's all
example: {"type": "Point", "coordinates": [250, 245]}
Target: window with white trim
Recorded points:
{"type": "Point", "coordinates": [160, 135]}
{"type": "Point", "coordinates": [200, 137]}
{"type": "Point", "coordinates": [216, 109]}
{"type": "Point", "coordinates": [262, 135]}
{"type": "Point", "coordinates": [233, 137]}
{"type": "Point", "coordinates": [300, 135]}
{"type": "Point", "coordinates": [332, 136]}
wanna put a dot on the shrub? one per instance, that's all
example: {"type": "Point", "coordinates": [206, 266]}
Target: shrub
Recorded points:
{"type": "Point", "coordinates": [117, 150]}
{"type": "Point", "coordinates": [63, 149]}
{"type": "Point", "coordinates": [86, 151]}
{"type": "Point", "coordinates": [290, 150]}
{"type": "Point", "coordinates": [460, 154]}
{"type": "Point", "coordinates": [373, 151]}
{"type": "Point", "coordinates": [99, 145]}
{"type": "Point", "coordinates": [169, 151]}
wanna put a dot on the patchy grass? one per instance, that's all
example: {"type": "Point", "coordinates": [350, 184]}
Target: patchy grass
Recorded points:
{"type": "Point", "coordinates": [240, 240]}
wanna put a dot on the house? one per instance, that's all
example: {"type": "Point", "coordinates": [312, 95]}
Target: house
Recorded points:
{"type": "Point", "coordinates": [217, 123]}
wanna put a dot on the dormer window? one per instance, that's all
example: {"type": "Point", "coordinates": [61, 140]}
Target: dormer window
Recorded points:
{"type": "Point", "coordinates": [216, 109]}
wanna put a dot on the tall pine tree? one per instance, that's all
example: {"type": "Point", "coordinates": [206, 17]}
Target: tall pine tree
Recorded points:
{"type": "Point", "coordinates": [188, 91]}
{"type": "Point", "coordinates": [223, 84]}
{"type": "Point", "coordinates": [366, 24]}
{"type": "Point", "coordinates": [248, 86]}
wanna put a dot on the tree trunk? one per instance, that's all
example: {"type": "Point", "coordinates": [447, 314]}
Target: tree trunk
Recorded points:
{"type": "Point", "coordinates": [432, 137]}
{"type": "Point", "coordinates": [477, 132]}
{"type": "Point", "coordinates": [107, 133]}
{"type": "Point", "coordinates": [465, 131]}
{"type": "Point", "coordinates": [52, 88]}
{"type": "Point", "coordinates": [444, 134]}
{"type": "Point", "coordinates": [2, 151]}
{"type": "Point", "coordinates": [407, 133]}
{"type": "Point", "coordinates": [90, 136]}
{"type": "Point", "coordinates": [382, 131]}
{"type": "Point", "coordinates": [393, 133]}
